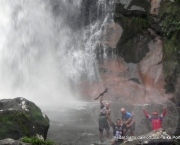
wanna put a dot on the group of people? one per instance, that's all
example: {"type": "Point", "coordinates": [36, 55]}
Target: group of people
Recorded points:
{"type": "Point", "coordinates": [127, 122]}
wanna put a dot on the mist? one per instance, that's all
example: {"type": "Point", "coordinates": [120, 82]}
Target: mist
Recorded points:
{"type": "Point", "coordinates": [45, 49]}
{"type": "Point", "coordinates": [33, 47]}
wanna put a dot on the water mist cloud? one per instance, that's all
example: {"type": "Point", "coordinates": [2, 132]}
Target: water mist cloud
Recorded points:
{"type": "Point", "coordinates": [30, 66]}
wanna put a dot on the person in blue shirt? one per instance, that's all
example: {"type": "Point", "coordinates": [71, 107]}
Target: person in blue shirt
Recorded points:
{"type": "Point", "coordinates": [125, 116]}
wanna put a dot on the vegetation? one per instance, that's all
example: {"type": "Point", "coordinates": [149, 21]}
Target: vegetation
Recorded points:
{"type": "Point", "coordinates": [170, 23]}
{"type": "Point", "coordinates": [140, 23]}
{"type": "Point", "coordinates": [134, 23]}
{"type": "Point", "coordinates": [137, 24]}
{"type": "Point", "coordinates": [132, 26]}
{"type": "Point", "coordinates": [36, 113]}
{"type": "Point", "coordinates": [36, 141]}
{"type": "Point", "coordinates": [17, 123]}
{"type": "Point", "coordinates": [171, 20]}
{"type": "Point", "coordinates": [9, 118]}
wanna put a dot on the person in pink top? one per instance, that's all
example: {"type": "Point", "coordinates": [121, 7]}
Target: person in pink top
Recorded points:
{"type": "Point", "coordinates": [156, 121]}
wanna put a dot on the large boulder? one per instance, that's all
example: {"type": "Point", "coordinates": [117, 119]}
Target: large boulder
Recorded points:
{"type": "Point", "coordinates": [20, 117]}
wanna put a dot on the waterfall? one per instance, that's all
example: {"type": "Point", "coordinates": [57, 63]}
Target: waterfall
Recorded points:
{"type": "Point", "coordinates": [46, 47]}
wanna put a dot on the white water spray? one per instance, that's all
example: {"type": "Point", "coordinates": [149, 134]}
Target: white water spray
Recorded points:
{"type": "Point", "coordinates": [39, 53]}
{"type": "Point", "coordinates": [28, 60]}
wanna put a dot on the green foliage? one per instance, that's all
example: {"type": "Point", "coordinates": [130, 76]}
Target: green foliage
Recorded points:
{"type": "Point", "coordinates": [171, 62]}
{"type": "Point", "coordinates": [170, 24]}
{"type": "Point", "coordinates": [36, 141]}
{"type": "Point", "coordinates": [171, 46]}
{"type": "Point", "coordinates": [131, 26]}
{"type": "Point", "coordinates": [140, 23]}
{"type": "Point", "coordinates": [170, 18]}
{"type": "Point", "coordinates": [136, 23]}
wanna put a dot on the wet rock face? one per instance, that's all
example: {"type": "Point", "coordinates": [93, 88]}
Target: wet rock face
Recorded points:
{"type": "Point", "coordinates": [9, 141]}
{"type": "Point", "coordinates": [135, 83]}
{"type": "Point", "coordinates": [92, 10]}
{"type": "Point", "coordinates": [111, 34]}
{"type": "Point", "coordinates": [131, 8]}
{"type": "Point", "coordinates": [136, 75]}
{"type": "Point", "coordinates": [155, 4]}
{"type": "Point", "coordinates": [135, 16]}
{"type": "Point", "coordinates": [20, 117]}
{"type": "Point", "coordinates": [136, 48]}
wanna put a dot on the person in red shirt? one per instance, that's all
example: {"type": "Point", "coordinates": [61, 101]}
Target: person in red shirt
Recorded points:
{"type": "Point", "coordinates": [156, 121]}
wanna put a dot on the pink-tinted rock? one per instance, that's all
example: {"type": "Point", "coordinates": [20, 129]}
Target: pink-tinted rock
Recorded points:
{"type": "Point", "coordinates": [132, 83]}
{"type": "Point", "coordinates": [111, 34]}
{"type": "Point", "coordinates": [155, 4]}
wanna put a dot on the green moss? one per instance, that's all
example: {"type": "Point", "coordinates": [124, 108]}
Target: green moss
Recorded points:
{"type": "Point", "coordinates": [135, 23]}
{"type": "Point", "coordinates": [36, 114]}
{"type": "Point", "coordinates": [140, 23]}
{"type": "Point", "coordinates": [17, 123]}
{"type": "Point", "coordinates": [131, 21]}
{"type": "Point", "coordinates": [166, 24]}
{"type": "Point", "coordinates": [135, 48]}
{"type": "Point", "coordinates": [131, 26]}
{"type": "Point", "coordinates": [171, 46]}
{"type": "Point", "coordinates": [12, 118]}
{"type": "Point", "coordinates": [3, 130]}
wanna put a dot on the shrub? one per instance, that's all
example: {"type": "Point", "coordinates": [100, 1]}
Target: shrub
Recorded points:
{"type": "Point", "coordinates": [36, 141]}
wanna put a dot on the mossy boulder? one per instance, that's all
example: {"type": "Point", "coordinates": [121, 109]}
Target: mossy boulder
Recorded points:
{"type": "Point", "coordinates": [20, 117]}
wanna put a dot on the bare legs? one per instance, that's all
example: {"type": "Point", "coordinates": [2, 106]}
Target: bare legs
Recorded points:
{"type": "Point", "coordinates": [101, 135]}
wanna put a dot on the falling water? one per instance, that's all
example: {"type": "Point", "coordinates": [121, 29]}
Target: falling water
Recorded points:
{"type": "Point", "coordinates": [42, 53]}
{"type": "Point", "coordinates": [47, 47]}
